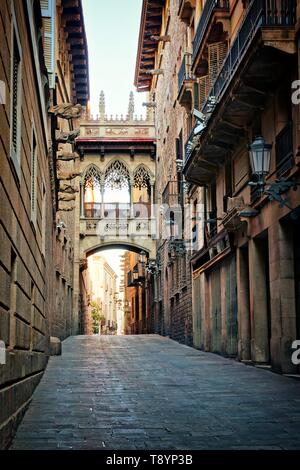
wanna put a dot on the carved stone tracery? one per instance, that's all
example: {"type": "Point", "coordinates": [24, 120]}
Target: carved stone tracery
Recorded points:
{"type": "Point", "coordinates": [117, 176]}
{"type": "Point", "coordinates": [92, 178]}
{"type": "Point", "coordinates": [141, 178]}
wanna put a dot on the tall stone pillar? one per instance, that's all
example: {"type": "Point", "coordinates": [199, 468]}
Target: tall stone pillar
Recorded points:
{"type": "Point", "coordinates": [102, 201]}
{"type": "Point", "coordinates": [243, 299]}
{"type": "Point", "coordinates": [152, 199]}
{"type": "Point", "coordinates": [258, 303]}
{"type": "Point", "coordinates": [282, 290]}
{"type": "Point", "coordinates": [81, 199]}
{"type": "Point", "coordinates": [131, 186]}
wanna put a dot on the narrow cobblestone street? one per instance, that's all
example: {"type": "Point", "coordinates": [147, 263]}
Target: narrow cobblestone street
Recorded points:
{"type": "Point", "coordinates": [148, 392]}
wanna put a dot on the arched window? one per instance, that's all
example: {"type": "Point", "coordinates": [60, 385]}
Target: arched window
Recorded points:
{"type": "Point", "coordinates": [92, 192]}
{"type": "Point", "coordinates": [142, 192]}
{"type": "Point", "coordinates": [116, 183]}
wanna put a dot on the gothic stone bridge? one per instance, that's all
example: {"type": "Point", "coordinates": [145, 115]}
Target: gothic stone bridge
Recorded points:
{"type": "Point", "coordinates": [117, 183]}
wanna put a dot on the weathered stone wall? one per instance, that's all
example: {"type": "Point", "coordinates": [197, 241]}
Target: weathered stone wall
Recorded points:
{"type": "Point", "coordinates": [26, 265]}
{"type": "Point", "coordinates": [174, 313]}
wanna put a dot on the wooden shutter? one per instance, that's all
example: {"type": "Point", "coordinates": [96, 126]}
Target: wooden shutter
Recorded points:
{"type": "Point", "coordinates": [33, 177]}
{"type": "Point", "coordinates": [204, 87]}
{"type": "Point", "coordinates": [216, 55]}
{"type": "Point", "coordinates": [16, 101]}
{"type": "Point", "coordinates": [196, 95]}
{"type": "Point", "coordinates": [48, 14]}
{"type": "Point", "coordinates": [15, 94]}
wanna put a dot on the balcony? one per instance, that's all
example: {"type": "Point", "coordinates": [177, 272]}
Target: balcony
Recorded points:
{"type": "Point", "coordinates": [210, 8]}
{"type": "Point", "coordinates": [256, 64]}
{"type": "Point", "coordinates": [186, 81]}
{"type": "Point", "coordinates": [97, 210]}
{"type": "Point", "coordinates": [185, 11]}
{"type": "Point", "coordinates": [260, 14]}
{"type": "Point", "coordinates": [117, 220]}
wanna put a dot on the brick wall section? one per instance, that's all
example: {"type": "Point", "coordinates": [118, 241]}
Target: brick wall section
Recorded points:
{"type": "Point", "coordinates": [171, 119]}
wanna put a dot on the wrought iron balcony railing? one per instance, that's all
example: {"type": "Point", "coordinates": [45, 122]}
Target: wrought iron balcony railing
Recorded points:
{"type": "Point", "coordinates": [209, 7]}
{"type": "Point", "coordinates": [189, 145]}
{"type": "Point", "coordinates": [185, 70]}
{"type": "Point", "coordinates": [261, 13]}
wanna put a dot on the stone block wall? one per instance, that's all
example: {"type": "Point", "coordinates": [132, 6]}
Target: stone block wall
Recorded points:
{"type": "Point", "coordinates": [26, 265]}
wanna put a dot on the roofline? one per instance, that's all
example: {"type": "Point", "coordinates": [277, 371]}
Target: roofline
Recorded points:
{"type": "Point", "coordinates": [140, 41]}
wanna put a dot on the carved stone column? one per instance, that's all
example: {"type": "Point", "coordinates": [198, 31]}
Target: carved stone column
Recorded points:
{"type": "Point", "coordinates": [152, 198]}
{"type": "Point", "coordinates": [131, 186]}
{"type": "Point", "coordinates": [102, 201]}
{"type": "Point", "coordinates": [82, 200]}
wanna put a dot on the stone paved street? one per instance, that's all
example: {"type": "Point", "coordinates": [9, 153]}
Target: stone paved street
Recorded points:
{"type": "Point", "coordinates": [148, 392]}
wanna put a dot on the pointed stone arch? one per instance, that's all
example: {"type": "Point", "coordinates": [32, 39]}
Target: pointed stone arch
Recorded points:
{"type": "Point", "coordinates": [92, 174]}
{"type": "Point", "coordinates": [91, 192]}
{"type": "Point", "coordinates": [142, 177]}
{"type": "Point", "coordinates": [116, 175]}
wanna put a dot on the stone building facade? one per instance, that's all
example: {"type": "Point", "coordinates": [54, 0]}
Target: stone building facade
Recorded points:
{"type": "Point", "coordinates": [162, 54]}
{"type": "Point", "coordinates": [221, 74]}
{"type": "Point", "coordinates": [117, 185]}
{"type": "Point", "coordinates": [136, 294]}
{"type": "Point", "coordinates": [31, 225]}
{"type": "Point", "coordinates": [103, 287]}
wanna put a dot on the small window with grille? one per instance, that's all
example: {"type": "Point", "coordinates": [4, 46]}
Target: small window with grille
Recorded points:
{"type": "Point", "coordinates": [33, 195]}
{"type": "Point", "coordinates": [16, 101]}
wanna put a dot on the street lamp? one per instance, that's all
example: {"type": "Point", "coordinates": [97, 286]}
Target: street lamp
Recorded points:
{"type": "Point", "coordinates": [260, 158]}
{"type": "Point", "coordinates": [135, 273]}
{"type": "Point", "coordinates": [143, 257]}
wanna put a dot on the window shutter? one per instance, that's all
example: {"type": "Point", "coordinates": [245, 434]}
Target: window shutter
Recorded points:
{"type": "Point", "coordinates": [196, 95]}
{"type": "Point", "coordinates": [33, 177]}
{"type": "Point", "coordinates": [204, 87]}
{"type": "Point", "coordinates": [216, 55]}
{"type": "Point", "coordinates": [15, 94]}
{"type": "Point", "coordinates": [48, 14]}
{"type": "Point", "coordinates": [16, 102]}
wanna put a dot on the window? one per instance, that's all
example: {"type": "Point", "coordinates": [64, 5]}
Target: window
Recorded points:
{"type": "Point", "coordinates": [48, 14]}
{"type": "Point", "coordinates": [43, 219]}
{"type": "Point", "coordinates": [33, 177]}
{"type": "Point", "coordinates": [16, 86]}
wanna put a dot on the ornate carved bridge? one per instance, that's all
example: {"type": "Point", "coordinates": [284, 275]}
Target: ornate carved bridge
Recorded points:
{"type": "Point", "coordinates": [117, 182]}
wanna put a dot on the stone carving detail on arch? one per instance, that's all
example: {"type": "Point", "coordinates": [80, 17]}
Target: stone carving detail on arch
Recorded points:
{"type": "Point", "coordinates": [142, 178]}
{"type": "Point", "coordinates": [117, 176]}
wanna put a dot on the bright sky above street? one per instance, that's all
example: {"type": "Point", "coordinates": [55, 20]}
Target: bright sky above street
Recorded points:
{"type": "Point", "coordinates": [112, 30]}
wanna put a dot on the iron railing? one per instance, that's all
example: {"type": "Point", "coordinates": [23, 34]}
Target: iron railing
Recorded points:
{"type": "Point", "coordinates": [284, 150]}
{"type": "Point", "coordinates": [189, 146]}
{"type": "Point", "coordinates": [260, 13]}
{"type": "Point", "coordinates": [185, 71]}
{"type": "Point", "coordinates": [209, 7]}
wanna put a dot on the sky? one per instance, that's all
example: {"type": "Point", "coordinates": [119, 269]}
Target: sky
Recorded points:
{"type": "Point", "coordinates": [112, 29]}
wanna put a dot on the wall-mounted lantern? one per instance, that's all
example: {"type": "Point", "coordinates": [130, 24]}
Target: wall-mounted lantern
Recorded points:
{"type": "Point", "coordinates": [260, 159]}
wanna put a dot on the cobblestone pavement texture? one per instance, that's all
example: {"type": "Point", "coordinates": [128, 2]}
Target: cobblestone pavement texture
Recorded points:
{"type": "Point", "coordinates": [149, 392]}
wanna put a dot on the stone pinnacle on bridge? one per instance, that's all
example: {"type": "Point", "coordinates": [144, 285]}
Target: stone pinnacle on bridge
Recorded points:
{"type": "Point", "coordinates": [102, 106]}
{"type": "Point", "coordinates": [131, 106]}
